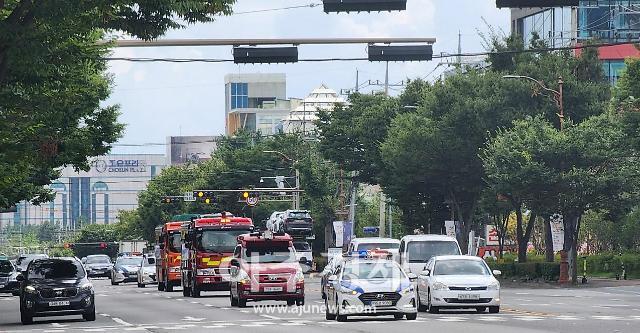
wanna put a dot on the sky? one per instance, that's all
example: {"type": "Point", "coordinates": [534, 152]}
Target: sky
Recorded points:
{"type": "Point", "coordinates": [163, 99]}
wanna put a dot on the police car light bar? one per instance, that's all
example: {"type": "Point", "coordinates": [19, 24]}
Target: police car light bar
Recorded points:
{"type": "Point", "coordinates": [370, 254]}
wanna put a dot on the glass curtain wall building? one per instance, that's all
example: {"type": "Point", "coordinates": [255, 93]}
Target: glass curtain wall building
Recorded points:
{"type": "Point", "coordinates": [609, 21]}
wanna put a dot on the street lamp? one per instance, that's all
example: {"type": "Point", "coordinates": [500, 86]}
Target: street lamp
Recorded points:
{"type": "Point", "coordinates": [557, 97]}
{"type": "Point", "coordinates": [296, 195]}
{"type": "Point", "coordinates": [555, 94]}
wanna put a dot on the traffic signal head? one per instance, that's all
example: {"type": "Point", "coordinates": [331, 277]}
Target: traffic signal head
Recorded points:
{"type": "Point", "coordinates": [207, 200]}
{"type": "Point", "coordinates": [68, 246]}
{"type": "Point", "coordinates": [245, 194]}
{"type": "Point", "coordinates": [200, 194]}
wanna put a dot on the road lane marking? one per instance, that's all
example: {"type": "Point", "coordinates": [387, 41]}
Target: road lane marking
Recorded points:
{"type": "Point", "coordinates": [121, 322]}
{"type": "Point", "coordinates": [529, 318]}
{"type": "Point", "coordinates": [270, 317]}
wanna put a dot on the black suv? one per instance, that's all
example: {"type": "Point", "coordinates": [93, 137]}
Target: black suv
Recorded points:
{"type": "Point", "coordinates": [55, 287]}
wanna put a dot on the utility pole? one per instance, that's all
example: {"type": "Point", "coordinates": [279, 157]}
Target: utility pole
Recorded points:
{"type": "Point", "coordinates": [383, 198]}
{"type": "Point", "coordinates": [357, 81]}
{"type": "Point", "coordinates": [459, 48]}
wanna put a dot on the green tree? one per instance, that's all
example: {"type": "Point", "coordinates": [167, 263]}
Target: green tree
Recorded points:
{"type": "Point", "coordinates": [53, 81]}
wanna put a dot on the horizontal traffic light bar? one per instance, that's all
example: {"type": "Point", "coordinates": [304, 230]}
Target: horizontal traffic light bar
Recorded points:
{"type": "Point", "coordinates": [337, 6]}
{"type": "Point", "coordinates": [265, 55]}
{"type": "Point", "coordinates": [535, 3]}
{"type": "Point", "coordinates": [400, 52]}
{"type": "Point", "coordinates": [269, 41]}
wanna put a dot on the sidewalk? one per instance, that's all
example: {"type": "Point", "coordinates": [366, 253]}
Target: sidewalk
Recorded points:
{"type": "Point", "coordinates": [592, 282]}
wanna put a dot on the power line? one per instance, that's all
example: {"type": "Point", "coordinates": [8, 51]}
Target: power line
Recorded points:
{"type": "Point", "coordinates": [311, 5]}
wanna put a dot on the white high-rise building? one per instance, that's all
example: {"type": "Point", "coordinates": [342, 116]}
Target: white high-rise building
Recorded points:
{"type": "Point", "coordinates": [305, 112]}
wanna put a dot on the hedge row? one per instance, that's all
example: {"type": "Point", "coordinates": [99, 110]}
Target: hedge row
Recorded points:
{"type": "Point", "coordinates": [611, 264]}
{"type": "Point", "coordinates": [547, 271]}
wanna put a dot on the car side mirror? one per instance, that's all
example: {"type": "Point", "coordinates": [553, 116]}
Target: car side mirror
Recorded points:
{"type": "Point", "coordinates": [332, 279]}
{"type": "Point", "coordinates": [20, 278]}
{"type": "Point", "coordinates": [426, 272]}
{"type": "Point", "coordinates": [412, 277]}
{"type": "Point", "coordinates": [497, 272]}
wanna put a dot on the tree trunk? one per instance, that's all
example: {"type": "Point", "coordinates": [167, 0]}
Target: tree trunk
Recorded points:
{"type": "Point", "coordinates": [522, 244]}
{"type": "Point", "coordinates": [571, 229]}
{"type": "Point", "coordinates": [548, 241]}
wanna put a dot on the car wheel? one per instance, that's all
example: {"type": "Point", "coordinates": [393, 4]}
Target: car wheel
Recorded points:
{"type": "Point", "coordinates": [300, 302]}
{"type": "Point", "coordinates": [398, 316]}
{"type": "Point", "coordinates": [160, 286]}
{"type": "Point", "coordinates": [140, 285]}
{"type": "Point", "coordinates": [113, 282]}
{"type": "Point", "coordinates": [481, 309]}
{"type": "Point", "coordinates": [186, 291]}
{"type": "Point", "coordinates": [291, 302]}
{"type": "Point", "coordinates": [431, 308]}
{"type": "Point", "coordinates": [412, 316]}
{"type": "Point", "coordinates": [15, 293]}
{"type": "Point", "coordinates": [421, 307]}
{"type": "Point", "coordinates": [494, 309]}
{"type": "Point", "coordinates": [339, 317]}
{"type": "Point", "coordinates": [328, 315]}
{"type": "Point", "coordinates": [242, 303]}
{"type": "Point", "coordinates": [90, 315]}
{"type": "Point", "coordinates": [25, 318]}
{"type": "Point", "coordinates": [195, 291]}
{"type": "Point", "coordinates": [234, 301]}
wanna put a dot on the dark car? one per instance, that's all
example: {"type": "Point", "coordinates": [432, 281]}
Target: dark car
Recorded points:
{"type": "Point", "coordinates": [8, 274]}
{"type": "Point", "coordinates": [56, 287]}
{"type": "Point", "coordinates": [296, 222]}
{"type": "Point", "coordinates": [98, 265]}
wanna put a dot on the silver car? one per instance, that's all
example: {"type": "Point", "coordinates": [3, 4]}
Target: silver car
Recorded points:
{"type": "Point", "coordinates": [147, 271]}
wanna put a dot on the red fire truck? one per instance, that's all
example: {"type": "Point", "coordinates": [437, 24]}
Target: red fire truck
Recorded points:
{"type": "Point", "coordinates": [208, 248]}
{"type": "Point", "coordinates": [168, 259]}
{"type": "Point", "coordinates": [264, 267]}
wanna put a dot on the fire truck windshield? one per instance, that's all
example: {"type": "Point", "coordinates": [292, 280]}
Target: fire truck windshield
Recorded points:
{"type": "Point", "coordinates": [272, 254]}
{"type": "Point", "coordinates": [218, 240]}
{"type": "Point", "coordinates": [175, 242]}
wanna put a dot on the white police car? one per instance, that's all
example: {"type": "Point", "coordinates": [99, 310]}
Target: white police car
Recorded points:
{"type": "Point", "coordinates": [366, 286]}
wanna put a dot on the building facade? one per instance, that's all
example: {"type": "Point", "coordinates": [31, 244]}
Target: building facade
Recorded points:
{"type": "Point", "coordinates": [95, 196]}
{"type": "Point", "coordinates": [608, 21]}
{"type": "Point", "coordinates": [255, 102]}
{"type": "Point", "coordinates": [191, 149]}
{"type": "Point", "coordinates": [304, 112]}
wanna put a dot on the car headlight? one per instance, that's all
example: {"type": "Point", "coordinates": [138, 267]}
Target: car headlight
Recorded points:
{"type": "Point", "coordinates": [299, 276]}
{"type": "Point", "coordinates": [206, 271]}
{"type": "Point", "coordinates": [86, 287]}
{"type": "Point", "coordinates": [243, 277]}
{"type": "Point", "coordinates": [408, 290]}
{"type": "Point", "coordinates": [494, 286]}
{"type": "Point", "coordinates": [440, 286]}
{"type": "Point", "coordinates": [30, 289]}
{"type": "Point", "coordinates": [350, 289]}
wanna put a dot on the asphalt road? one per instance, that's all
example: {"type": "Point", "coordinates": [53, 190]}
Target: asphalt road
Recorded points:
{"type": "Point", "coordinates": [128, 308]}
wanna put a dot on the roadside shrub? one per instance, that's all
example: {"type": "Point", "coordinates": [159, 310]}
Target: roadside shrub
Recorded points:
{"type": "Point", "coordinates": [547, 271]}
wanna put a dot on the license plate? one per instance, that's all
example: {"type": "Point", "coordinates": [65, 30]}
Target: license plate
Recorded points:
{"type": "Point", "coordinates": [468, 296]}
{"type": "Point", "coordinates": [59, 303]}
{"type": "Point", "coordinates": [381, 303]}
{"type": "Point", "coordinates": [272, 289]}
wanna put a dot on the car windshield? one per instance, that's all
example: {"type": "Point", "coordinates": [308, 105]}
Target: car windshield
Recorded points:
{"type": "Point", "coordinates": [371, 270]}
{"type": "Point", "coordinates": [373, 246]}
{"type": "Point", "coordinates": [218, 240]}
{"type": "Point", "coordinates": [272, 254]}
{"type": "Point", "coordinates": [23, 261]}
{"type": "Point", "coordinates": [422, 251]}
{"type": "Point", "coordinates": [299, 215]}
{"type": "Point", "coordinates": [55, 269]}
{"type": "Point", "coordinates": [175, 242]}
{"type": "Point", "coordinates": [302, 246]}
{"type": "Point", "coordinates": [98, 260]}
{"type": "Point", "coordinates": [151, 261]}
{"type": "Point", "coordinates": [460, 267]}
{"type": "Point", "coordinates": [5, 266]}
{"type": "Point", "coordinates": [130, 261]}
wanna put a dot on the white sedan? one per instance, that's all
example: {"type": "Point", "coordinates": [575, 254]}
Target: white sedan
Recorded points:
{"type": "Point", "coordinates": [458, 282]}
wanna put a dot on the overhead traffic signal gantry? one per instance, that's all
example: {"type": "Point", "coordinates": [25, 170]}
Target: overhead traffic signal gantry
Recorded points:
{"type": "Point", "coordinates": [337, 6]}
{"type": "Point", "coordinates": [207, 197]}
{"type": "Point", "coordinates": [535, 3]}
{"type": "Point", "coordinates": [170, 200]}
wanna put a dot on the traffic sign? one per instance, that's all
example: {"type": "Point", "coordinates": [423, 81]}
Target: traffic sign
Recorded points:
{"type": "Point", "coordinates": [252, 201]}
{"type": "Point", "coordinates": [188, 197]}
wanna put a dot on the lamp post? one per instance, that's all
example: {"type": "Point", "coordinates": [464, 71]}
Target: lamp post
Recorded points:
{"type": "Point", "coordinates": [555, 94]}
{"type": "Point", "coordinates": [296, 195]}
